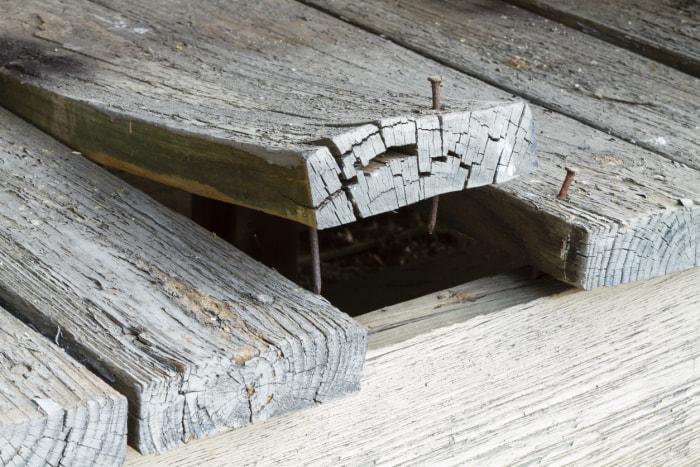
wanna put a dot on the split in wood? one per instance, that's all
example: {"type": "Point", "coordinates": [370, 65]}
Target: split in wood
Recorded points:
{"type": "Point", "coordinates": [398, 161]}
{"type": "Point", "coordinates": [378, 166]}
{"type": "Point", "coordinates": [567, 183]}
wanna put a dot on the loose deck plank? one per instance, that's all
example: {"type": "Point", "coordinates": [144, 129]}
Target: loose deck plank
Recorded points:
{"type": "Point", "coordinates": [663, 30]}
{"type": "Point", "coordinates": [53, 411]}
{"type": "Point", "coordinates": [258, 105]}
{"type": "Point", "coordinates": [197, 335]}
{"type": "Point", "coordinates": [627, 217]}
{"type": "Point", "coordinates": [547, 63]}
{"type": "Point", "coordinates": [607, 377]}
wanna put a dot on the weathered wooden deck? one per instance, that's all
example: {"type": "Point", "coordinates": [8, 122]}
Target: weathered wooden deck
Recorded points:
{"type": "Point", "coordinates": [609, 377]}
{"type": "Point", "coordinates": [327, 101]}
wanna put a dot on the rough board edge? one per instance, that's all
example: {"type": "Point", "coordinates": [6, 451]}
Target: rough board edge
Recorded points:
{"type": "Point", "coordinates": [609, 375]}
{"type": "Point", "coordinates": [63, 414]}
{"type": "Point", "coordinates": [279, 354]}
{"type": "Point", "coordinates": [401, 160]}
{"type": "Point", "coordinates": [576, 252]}
{"type": "Point", "coordinates": [305, 184]}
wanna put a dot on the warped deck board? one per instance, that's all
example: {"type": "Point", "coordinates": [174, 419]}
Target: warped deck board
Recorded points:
{"type": "Point", "coordinates": [53, 411]}
{"type": "Point", "coordinates": [270, 106]}
{"type": "Point", "coordinates": [623, 219]}
{"type": "Point", "coordinates": [664, 30]}
{"type": "Point", "coordinates": [197, 335]}
{"type": "Point", "coordinates": [608, 377]}
{"type": "Point", "coordinates": [565, 70]}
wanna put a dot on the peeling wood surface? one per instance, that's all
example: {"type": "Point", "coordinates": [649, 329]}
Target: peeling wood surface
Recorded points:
{"type": "Point", "coordinates": [609, 88]}
{"type": "Point", "coordinates": [198, 336]}
{"type": "Point", "coordinates": [53, 411]}
{"type": "Point", "coordinates": [609, 377]}
{"type": "Point", "coordinates": [663, 30]}
{"type": "Point", "coordinates": [272, 106]}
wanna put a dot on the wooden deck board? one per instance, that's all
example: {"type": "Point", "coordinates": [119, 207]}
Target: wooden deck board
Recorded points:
{"type": "Point", "coordinates": [607, 377]}
{"type": "Point", "coordinates": [198, 336]}
{"type": "Point", "coordinates": [53, 411]}
{"type": "Point", "coordinates": [608, 88]}
{"type": "Point", "coordinates": [621, 195]}
{"type": "Point", "coordinates": [667, 31]}
{"type": "Point", "coordinates": [401, 321]}
{"type": "Point", "coordinates": [275, 107]}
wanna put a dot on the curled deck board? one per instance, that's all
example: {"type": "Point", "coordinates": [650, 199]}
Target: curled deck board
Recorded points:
{"type": "Point", "coordinates": [608, 377]}
{"type": "Point", "coordinates": [632, 214]}
{"type": "Point", "coordinates": [611, 89]}
{"type": "Point", "coordinates": [269, 106]}
{"type": "Point", "coordinates": [53, 411]}
{"type": "Point", "coordinates": [197, 335]}
{"type": "Point", "coordinates": [665, 30]}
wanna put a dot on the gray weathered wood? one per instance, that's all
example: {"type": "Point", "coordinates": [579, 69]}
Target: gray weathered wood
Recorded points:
{"type": "Point", "coordinates": [632, 193]}
{"type": "Point", "coordinates": [53, 411]}
{"type": "Point", "coordinates": [197, 335]}
{"type": "Point", "coordinates": [622, 220]}
{"type": "Point", "coordinates": [663, 30]}
{"type": "Point", "coordinates": [259, 108]}
{"type": "Point", "coordinates": [611, 89]}
{"type": "Point", "coordinates": [608, 377]}
{"type": "Point", "coordinates": [402, 321]}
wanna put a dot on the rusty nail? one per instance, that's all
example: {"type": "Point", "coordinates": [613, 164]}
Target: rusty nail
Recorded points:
{"type": "Point", "coordinates": [315, 260]}
{"type": "Point", "coordinates": [436, 83]}
{"type": "Point", "coordinates": [433, 214]}
{"type": "Point", "coordinates": [567, 183]}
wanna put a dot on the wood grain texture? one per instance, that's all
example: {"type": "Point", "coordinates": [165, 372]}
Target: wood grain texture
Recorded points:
{"type": "Point", "coordinates": [402, 321]}
{"type": "Point", "coordinates": [667, 30]}
{"type": "Point", "coordinates": [611, 89]}
{"type": "Point", "coordinates": [631, 193]}
{"type": "Point", "coordinates": [623, 219]}
{"type": "Point", "coordinates": [197, 335]}
{"type": "Point", "coordinates": [258, 105]}
{"type": "Point", "coordinates": [608, 377]}
{"type": "Point", "coordinates": [53, 411]}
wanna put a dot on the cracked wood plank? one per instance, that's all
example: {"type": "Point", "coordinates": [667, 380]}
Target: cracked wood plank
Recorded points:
{"type": "Point", "coordinates": [53, 411]}
{"type": "Point", "coordinates": [623, 219]}
{"type": "Point", "coordinates": [273, 107]}
{"type": "Point", "coordinates": [608, 377]}
{"type": "Point", "coordinates": [611, 89]}
{"type": "Point", "coordinates": [664, 30]}
{"type": "Point", "coordinates": [400, 161]}
{"type": "Point", "coordinates": [197, 335]}
{"type": "Point", "coordinates": [629, 215]}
